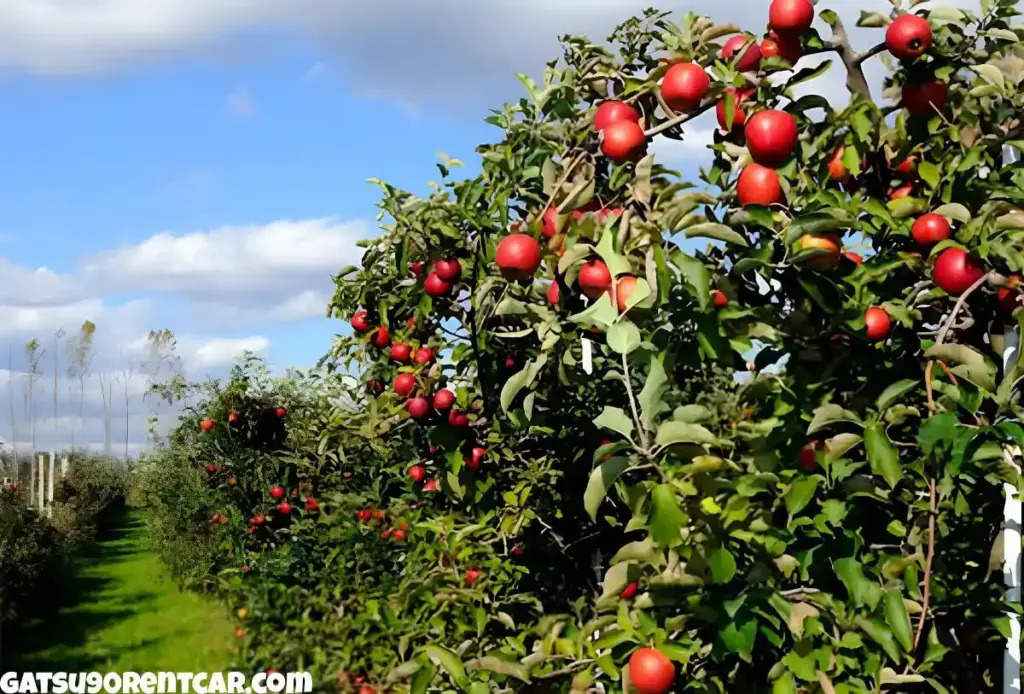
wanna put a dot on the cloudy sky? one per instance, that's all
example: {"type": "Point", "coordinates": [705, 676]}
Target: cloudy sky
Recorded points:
{"type": "Point", "coordinates": [200, 165]}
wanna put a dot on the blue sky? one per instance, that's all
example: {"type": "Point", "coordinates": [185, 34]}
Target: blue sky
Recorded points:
{"type": "Point", "coordinates": [201, 165]}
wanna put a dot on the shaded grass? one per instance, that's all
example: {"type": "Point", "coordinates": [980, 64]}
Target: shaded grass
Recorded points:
{"type": "Point", "coordinates": [121, 612]}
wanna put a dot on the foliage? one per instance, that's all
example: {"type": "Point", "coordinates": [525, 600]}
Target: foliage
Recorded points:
{"type": "Point", "coordinates": [822, 526]}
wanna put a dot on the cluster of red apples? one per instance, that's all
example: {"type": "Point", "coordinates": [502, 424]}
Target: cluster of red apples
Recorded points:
{"type": "Point", "coordinates": [209, 422]}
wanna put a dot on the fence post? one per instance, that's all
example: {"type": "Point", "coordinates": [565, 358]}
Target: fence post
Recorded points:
{"type": "Point", "coordinates": [49, 489]}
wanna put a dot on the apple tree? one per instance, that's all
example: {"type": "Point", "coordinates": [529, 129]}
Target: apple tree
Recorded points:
{"type": "Point", "coordinates": [544, 363]}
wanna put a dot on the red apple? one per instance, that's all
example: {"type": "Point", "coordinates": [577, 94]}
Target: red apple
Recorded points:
{"type": "Point", "coordinates": [360, 322]}
{"type": "Point", "coordinates": [930, 228]}
{"type": "Point", "coordinates": [381, 337]}
{"type": "Point", "coordinates": [905, 190]}
{"type": "Point", "coordinates": [594, 278]}
{"type": "Point", "coordinates": [417, 267]}
{"type": "Point", "coordinates": [277, 492]}
{"type": "Point", "coordinates": [365, 514]}
{"type": "Point", "coordinates": [837, 170]}
{"type": "Point", "coordinates": [518, 256]}
{"type": "Point", "coordinates": [418, 408]}
{"type": "Point", "coordinates": [876, 323]}
{"type": "Point", "coordinates": [424, 355]}
{"type": "Point", "coordinates": [624, 289]}
{"type": "Point", "coordinates": [739, 117]}
{"type": "Point", "coordinates": [786, 47]}
{"type": "Point", "coordinates": [207, 424]}
{"type": "Point", "coordinates": [281, 412]}
{"type": "Point", "coordinates": [853, 258]}
{"type": "Point", "coordinates": [400, 352]}
{"type": "Point", "coordinates": [808, 457]}
{"type": "Point", "coordinates": [955, 271]}
{"type": "Point", "coordinates": [417, 473]}
{"type": "Point", "coordinates": [472, 576]}
{"type": "Point", "coordinates": [448, 270]}
{"type": "Point", "coordinates": [650, 671]}
{"type": "Point", "coordinates": [431, 486]}
{"type": "Point", "coordinates": [1009, 295]}
{"type": "Point", "coordinates": [443, 399]}
{"type": "Point", "coordinates": [719, 299]}
{"type": "Point", "coordinates": [549, 223]}
{"type": "Point", "coordinates": [404, 383]}
{"type": "Point", "coordinates": [629, 591]}
{"type": "Point", "coordinates": [435, 286]}
{"type": "Point", "coordinates": [758, 185]}
{"type": "Point", "coordinates": [477, 457]}
{"type": "Point", "coordinates": [457, 418]}
{"type": "Point", "coordinates": [398, 535]}
{"type": "Point", "coordinates": [610, 112]}
{"type": "Point", "coordinates": [771, 136]}
{"type": "Point", "coordinates": [684, 86]}
{"type": "Point", "coordinates": [791, 17]}
{"type": "Point", "coordinates": [312, 504]}
{"type": "Point", "coordinates": [552, 294]}
{"type": "Point", "coordinates": [284, 508]}
{"type": "Point", "coordinates": [751, 57]}
{"type": "Point", "coordinates": [908, 37]}
{"type": "Point", "coordinates": [925, 98]}
{"type": "Point", "coordinates": [211, 468]}
{"type": "Point", "coordinates": [624, 141]}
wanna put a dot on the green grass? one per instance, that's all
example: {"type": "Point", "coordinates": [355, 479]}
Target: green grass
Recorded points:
{"type": "Point", "coordinates": [128, 615]}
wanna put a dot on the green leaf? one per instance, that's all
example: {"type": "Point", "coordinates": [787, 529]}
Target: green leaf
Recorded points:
{"type": "Point", "coordinates": [972, 364]}
{"type": "Point", "coordinates": [696, 275]}
{"type": "Point", "coordinates": [615, 419]}
{"type": "Point", "coordinates": [894, 392]}
{"type": "Point", "coordinates": [666, 518]}
{"type": "Point", "coordinates": [800, 494]}
{"type": "Point", "coordinates": [403, 671]}
{"type": "Point", "coordinates": [863, 591]}
{"type": "Point", "coordinates": [623, 337]}
{"type": "Point", "coordinates": [929, 173]}
{"type": "Point", "coordinates": [723, 565]}
{"type": "Point", "coordinates": [898, 619]}
{"type": "Point", "coordinates": [601, 480]}
{"type": "Point", "coordinates": [954, 211]}
{"type": "Point", "coordinates": [672, 431]}
{"type": "Point", "coordinates": [651, 397]}
{"type": "Point", "coordinates": [451, 663]}
{"type": "Point", "coordinates": [819, 222]}
{"type": "Point", "coordinates": [512, 386]}
{"type": "Point", "coordinates": [882, 455]}
{"type": "Point", "coordinates": [827, 415]}
{"type": "Point", "coordinates": [693, 414]}
{"type": "Point", "coordinates": [502, 667]}
{"type": "Point", "coordinates": [617, 265]}
{"type": "Point", "coordinates": [423, 677]}
{"type": "Point", "coordinates": [602, 313]}
{"type": "Point", "coordinates": [713, 230]}
{"type": "Point", "coordinates": [881, 635]}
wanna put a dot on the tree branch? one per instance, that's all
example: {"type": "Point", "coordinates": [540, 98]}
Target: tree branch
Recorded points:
{"type": "Point", "coordinates": [870, 53]}
{"type": "Point", "coordinates": [855, 80]}
{"type": "Point", "coordinates": [680, 119]}
{"type": "Point", "coordinates": [932, 511]}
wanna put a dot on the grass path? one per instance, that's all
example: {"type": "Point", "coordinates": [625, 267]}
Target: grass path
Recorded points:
{"type": "Point", "coordinates": [128, 615]}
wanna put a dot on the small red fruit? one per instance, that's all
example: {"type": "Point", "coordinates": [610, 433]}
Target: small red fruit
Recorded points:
{"type": "Point", "coordinates": [435, 286]}
{"type": "Point", "coordinates": [786, 47]}
{"type": "Point", "coordinates": [239, 633]}
{"type": "Point", "coordinates": [232, 417]}
{"type": "Point", "coordinates": [431, 486]}
{"type": "Point", "coordinates": [432, 449]}
{"type": "Point", "coordinates": [284, 508]}
{"type": "Point", "coordinates": [837, 170]}
{"type": "Point", "coordinates": [907, 166]}
{"type": "Point", "coordinates": [758, 185]}
{"type": "Point", "coordinates": [418, 408]}
{"type": "Point", "coordinates": [791, 17]}
{"type": "Point", "coordinates": [650, 671]}
{"type": "Point", "coordinates": [739, 117]}
{"type": "Point", "coordinates": [853, 257]}
{"type": "Point", "coordinates": [610, 112]}
{"type": "Point", "coordinates": [381, 337]}
{"type": "Point", "coordinates": [1009, 295]}
{"type": "Point", "coordinates": [448, 270]}
{"type": "Point", "coordinates": [629, 591]}
{"type": "Point", "coordinates": [417, 267]}
{"type": "Point", "coordinates": [925, 98]}
{"type": "Point", "coordinates": [367, 689]}
{"type": "Point", "coordinates": [830, 244]}
{"type": "Point", "coordinates": [719, 299]}
{"type": "Point", "coordinates": [594, 278]}
{"type": "Point", "coordinates": [379, 514]}
{"type": "Point", "coordinates": [417, 473]}
{"type": "Point", "coordinates": [771, 136]}
{"type": "Point", "coordinates": [365, 514]}
{"type": "Point", "coordinates": [510, 363]}
{"type": "Point", "coordinates": [207, 424]}
{"type": "Point", "coordinates": [477, 457]}
{"type": "Point", "coordinates": [443, 399]}
{"type": "Point", "coordinates": [908, 37]}
{"type": "Point", "coordinates": [624, 291]}
{"type": "Point", "coordinates": [930, 228]}
{"type": "Point", "coordinates": [281, 412]}
{"type": "Point", "coordinates": [424, 355]}
{"type": "Point", "coordinates": [955, 271]}
{"type": "Point", "coordinates": [684, 85]}
{"type": "Point", "coordinates": [553, 293]}
{"type": "Point", "coordinates": [400, 352]}
{"type": "Point", "coordinates": [277, 492]}
{"type": "Point", "coordinates": [404, 384]}
{"type": "Point", "coordinates": [808, 456]}
{"type": "Point", "coordinates": [905, 190]}
{"type": "Point", "coordinates": [359, 322]}
{"type": "Point", "coordinates": [211, 469]}
{"type": "Point", "coordinates": [398, 535]}
{"type": "Point", "coordinates": [876, 323]}
{"type": "Point", "coordinates": [472, 575]}
{"type": "Point", "coordinates": [751, 57]}
{"type": "Point", "coordinates": [457, 418]}
{"type": "Point", "coordinates": [257, 520]}
{"type": "Point", "coordinates": [312, 504]}
{"type": "Point", "coordinates": [385, 533]}
{"type": "Point", "coordinates": [518, 256]}
{"type": "Point", "coordinates": [624, 141]}
{"type": "Point", "coordinates": [549, 223]}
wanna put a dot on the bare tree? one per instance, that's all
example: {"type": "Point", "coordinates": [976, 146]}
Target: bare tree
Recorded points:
{"type": "Point", "coordinates": [10, 393]}
{"type": "Point", "coordinates": [107, 382]}
{"type": "Point", "coordinates": [162, 361]}
{"type": "Point", "coordinates": [57, 337]}
{"type": "Point", "coordinates": [34, 355]}
{"type": "Point", "coordinates": [126, 376]}
{"type": "Point", "coordinates": [80, 355]}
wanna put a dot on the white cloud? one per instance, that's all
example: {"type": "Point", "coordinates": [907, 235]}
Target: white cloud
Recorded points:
{"type": "Point", "coordinates": [240, 104]}
{"type": "Point", "coordinates": [210, 352]}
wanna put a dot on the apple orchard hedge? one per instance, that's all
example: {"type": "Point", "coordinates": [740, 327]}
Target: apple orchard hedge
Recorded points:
{"type": "Point", "coordinates": [545, 476]}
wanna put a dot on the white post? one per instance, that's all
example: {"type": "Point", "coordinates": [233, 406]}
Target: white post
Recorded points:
{"type": "Point", "coordinates": [64, 467]}
{"type": "Point", "coordinates": [42, 482]}
{"type": "Point", "coordinates": [49, 487]}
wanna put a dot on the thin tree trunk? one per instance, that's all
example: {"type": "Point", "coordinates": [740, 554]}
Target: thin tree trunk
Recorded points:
{"type": "Point", "coordinates": [10, 393]}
